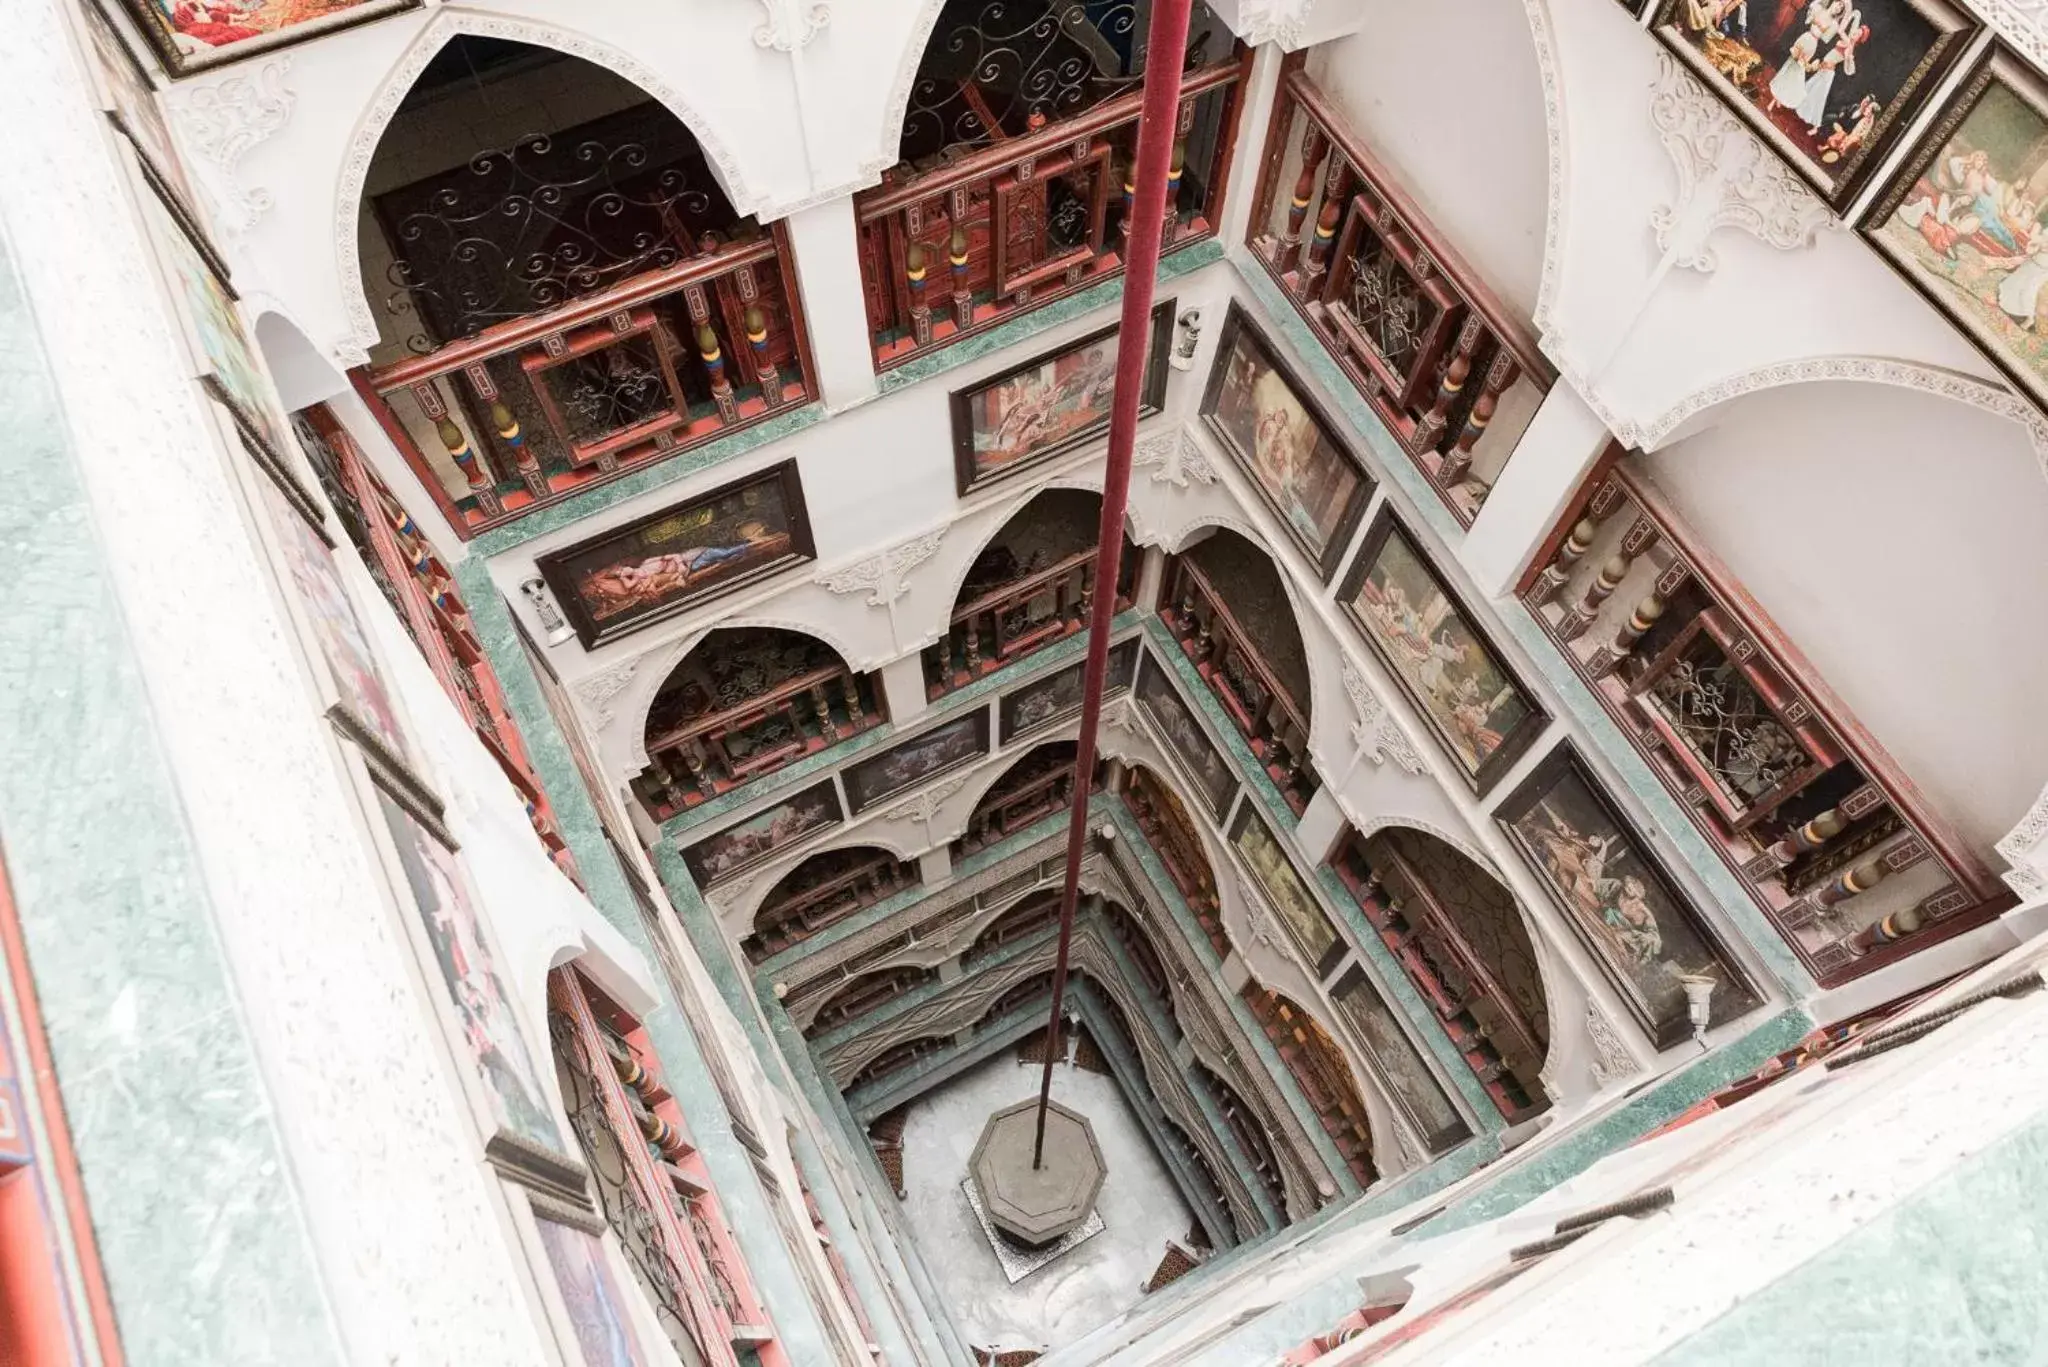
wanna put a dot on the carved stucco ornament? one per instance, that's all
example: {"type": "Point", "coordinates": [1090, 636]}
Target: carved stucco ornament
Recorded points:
{"type": "Point", "coordinates": [1174, 457]}
{"type": "Point", "coordinates": [223, 121]}
{"type": "Point", "coordinates": [1612, 1060]}
{"type": "Point", "coordinates": [598, 691]}
{"type": "Point", "coordinates": [885, 575]}
{"type": "Point", "coordinates": [1376, 733]}
{"type": "Point", "coordinates": [1727, 178]}
{"type": "Point", "coordinates": [791, 23]}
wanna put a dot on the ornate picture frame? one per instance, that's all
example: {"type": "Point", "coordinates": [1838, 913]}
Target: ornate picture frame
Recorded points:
{"type": "Point", "coordinates": [909, 764]}
{"type": "Point", "coordinates": [1480, 712]}
{"type": "Point", "coordinates": [1056, 697]}
{"type": "Point", "coordinates": [1190, 745]}
{"type": "Point", "coordinates": [1285, 443]}
{"type": "Point", "coordinates": [703, 547]}
{"type": "Point", "coordinates": [203, 34]}
{"type": "Point", "coordinates": [763, 835]}
{"type": "Point", "coordinates": [1287, 891]}
{"type": "Point", "coordinates": [1049, 405]}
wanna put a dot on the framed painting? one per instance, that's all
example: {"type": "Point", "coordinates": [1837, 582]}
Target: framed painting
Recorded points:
{"type": "Point", "coordinates": [1646, 935]}
{"type": "Point", "coordinates": [593, 1302]}
{"type": "Point", "coordinates": [1049, 405]}
{"type": "Point", "coordinates": [1963, 218]}
{"type": "Point", "coordinates": [1201, 761]}
{"type": "Point", "coordinates": [524, 1141]}
{"type": "Point", "coordinates": [1479, 711]}
{"type": "Point", "coordinates": [194, 35]}
{"type": "Point", "coordinates": [1284, 442]}
{"type": "Point", "coordinates": [1057, 696]}
{"type": "Point", "coordinates": [746, 843]}
{"type": "Point", "coordinates": [914, 761]}
{"type": "Point", "coordinates": [1407, 1074]}
{"type": "Point", "coordinates": [1831, 85]}
{"type": "Point", "coordinates": [1286, 893]}
{"type": "Point", "coordinates": [129, 97]}
{"type": "Point", "coordinates": [661, 564]}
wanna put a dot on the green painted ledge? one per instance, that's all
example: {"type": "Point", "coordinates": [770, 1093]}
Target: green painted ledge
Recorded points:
{"type": "Point", "coordinates": [190, 1194]}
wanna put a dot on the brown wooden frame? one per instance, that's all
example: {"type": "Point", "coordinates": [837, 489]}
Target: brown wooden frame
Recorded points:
{"type": "Point", "coordinates": [1515, 742]}
{"type": "Point", "coordinates": [859, 797]}
{"type": "Point", "coordinates": [591, 340]}
{"type": "Point", "coordinates": [149, 17]}
{"type": "Point", "coordinates": [1123, 657]}
{"type": "Point", "coordinates": [1150, 401]}
{"type": "Point", "coordinates": [553, 566]}
{"type": "Point", "coordinates": [1564, 762]}
{"type": "Point", "coordinates": [1892, 122]}
{"type": "Point", "coordinates": [693, 855]}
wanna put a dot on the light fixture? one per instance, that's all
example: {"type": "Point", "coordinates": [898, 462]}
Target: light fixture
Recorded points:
{"type": "Point", "coordinates": [1699, 1002]}
{"type": "Point", "coordinates": [1190, 335]}
{"type": "Point", "coordinates": [536, 591]}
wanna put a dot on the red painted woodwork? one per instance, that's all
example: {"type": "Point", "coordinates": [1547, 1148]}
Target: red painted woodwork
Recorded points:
{"type": "Point", "coordinates": [1430, 347]}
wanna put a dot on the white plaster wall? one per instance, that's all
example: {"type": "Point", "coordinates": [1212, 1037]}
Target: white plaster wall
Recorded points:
{"type": "Point", "coordinates": [1473, 160]}
{"type": "Point", "coordinates": [1899, 540]}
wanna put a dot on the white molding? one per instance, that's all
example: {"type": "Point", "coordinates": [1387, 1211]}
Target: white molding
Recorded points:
{"type": "Point", "coordinates": [222, 121]}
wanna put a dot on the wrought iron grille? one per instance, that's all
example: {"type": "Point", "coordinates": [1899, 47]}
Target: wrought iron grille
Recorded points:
{"type": "Point", "coordinates": [1394, 315]}
{"type": "Point", "coordinates": [545, 219]}
{"type": "Point", "coordinates": [742, 664]}
{"type": "Point", "coordinates": [607, 391]}
{"type": "Point", "coordinates": [1726, 724]}
{"type": "Point", "coordinates": [995, 69]}
{"type": "Point", "coordinates": [628, 1206]}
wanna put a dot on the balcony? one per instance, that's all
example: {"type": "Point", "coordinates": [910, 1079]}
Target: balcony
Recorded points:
{"type": "Point", "coordinates": [562, 304]}
{"type": "Point", "coordinates": [1443, 363]}
{"type": "Point", "coordinates": [1172, 834]}
{"type": "Point", "coordinates": [1319, 1068]}
{"type": "Point", "coordinates": [1017, 145]}
{"type": "Point", "coordinates": [1032, 789]}
{"type": "Point", "coordinates": [1031, 587]}
{"type": "Point", "coordinates": [823, 891]}
{"type": "Point", "coordinates": [1830, 839]}
{"type": "Point", "coordinates": [743, 704]}
{"type": "Point", "coordinates": [1441, 939]}
{"type": "Point", "coordinates": [1224, 603]}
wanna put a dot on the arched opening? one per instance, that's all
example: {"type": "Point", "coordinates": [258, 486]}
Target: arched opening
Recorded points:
{"type": "Point", "coordinates": [1323, 1074]}
{"type": "Point", "coordinates": [823, 890]}
{"type": "Point", "coordinates": [1030, 790]}
{"type": "Point", "coordinates": [1198, 1163]}
{"type": "Point", "coordinates": [1030, 587]}
{"type": "Point", "coordinates": [896, 1058]}
{"type": "Point", "coordinates": [1465, 946]}
{"type": "Point", "coordinates": [1136, 943]}
{"type": "Point", "coordinates": [1172, 832]}
{"type": "Point", "coordinates": [1026, 918]}
{"type": "Point", "coordinates": [1019, 994]}
{"type": "Point", "coordinates": [743, 703]}
{"type": "Point", "coordinates": [1224, 601]}
{"type": "Point", "coordinates": [867, 992]}
{"type": "Point", "coordinates": [562, 287]}
{"type": "Point", "coordinates": [1245, 1128]}
{"type": "Point", "coordinates": [1026, 110]}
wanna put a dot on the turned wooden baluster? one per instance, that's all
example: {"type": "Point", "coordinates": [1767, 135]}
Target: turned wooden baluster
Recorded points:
{"type": "Point", "coordinates": [507, 428]}
{"type": "Point", "coordinates": [963, 300]}
{"type": "Point", "coordinates": [1334, 194]}
{"type": "Point", "coordinates": [1579, 620]}
{"type": "Point", "coordinates": [973, 644]}
{"type": "Point", "coordinates": [1173, 175]}
{"type": "Point", "coordinates": [1604, 660]}
{"type": "Point", "coordinates": [1313, 147]}
{"type": "Point", "coordinates": [756, 320]}
{"type": "Point", "coordinates": [1499, 376]}
{"type": "Point", "coordinates": [1801, 840]}
{"type": "Point", "coordinates": [665, 787]}
{"type": "Point", "coordinates": [1834, 892]}
{"type": "Point", "coordinates": [1569, 554]}
{"type": "Point", "coordinates": [1430, 430]}
{"type": "Point", "coordinates": [920, 307]}
{"type": "Point", "coordinates": [849, 689]}
{"type": "Point", "coordinates": [483, 484]}
{"type": "Point", "coordinates": [821, 701]}
{"type": "Point", "coordinates": [1887, 931]}
{"type": "Point", "coordinates": [714, 371]}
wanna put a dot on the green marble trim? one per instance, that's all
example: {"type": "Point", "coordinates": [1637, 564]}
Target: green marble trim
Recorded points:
{"type": "Point", "coordinates": [1195, 692]}
{"type": "Point", "coordinates": [1951, 1274]}
{"type": "Point", "coordinates": [1279, 316]}
{"type": "Point", "coordinates": [770, 1262]}
{"type": "Point", "coordinates": [659, 475]}
{"type": "Point", "coordinates": [1166, 893]}
{"type": "Point", "coordinates": [885, 1014]}
{"type": "Point", "coordinates": [836, 757]}
{"type": "Point", "coordinates": [1185, 261]}
{"type": "Point", "coordinates": [1401, 994]}
{"type": "Point", "coordinates": [117, 920]}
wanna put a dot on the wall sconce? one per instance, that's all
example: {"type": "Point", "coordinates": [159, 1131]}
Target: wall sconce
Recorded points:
{"type": "Point", "coordinates": [536, 591]}
{"type": "Point", "coordinates": [1699, 1002]}
{"type": "Point", "coordinates": [1188, 335]}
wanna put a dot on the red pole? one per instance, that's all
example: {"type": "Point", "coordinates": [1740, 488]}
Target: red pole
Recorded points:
{"type": "Point", "coordinates": [1166, 40]}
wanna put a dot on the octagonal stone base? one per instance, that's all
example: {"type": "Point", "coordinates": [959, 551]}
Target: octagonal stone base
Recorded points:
{"type": "Point", "coordinates": [1037, 1206]}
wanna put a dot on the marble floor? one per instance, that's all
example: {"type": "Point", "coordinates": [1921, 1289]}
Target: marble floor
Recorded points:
{"type": "Point", "coordinates": [1141, 1209]}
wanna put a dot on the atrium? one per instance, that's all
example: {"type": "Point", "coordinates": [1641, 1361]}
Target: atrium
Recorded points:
{"type": "Point", "coordinates": [1111, 683]}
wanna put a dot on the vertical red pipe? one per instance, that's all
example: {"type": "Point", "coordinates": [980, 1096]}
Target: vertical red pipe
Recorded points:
{"type": "Point", "coordinates": [1166, 40]}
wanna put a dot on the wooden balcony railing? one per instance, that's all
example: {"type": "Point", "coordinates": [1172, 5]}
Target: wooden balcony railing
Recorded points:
{"type": "Point", "coordinates": [949, 251]}
{"type": "Point", "coordinates": [711, 754]}
{"type": "Point", "coordinates": [528, 412]}
{"type": "Point", "coordinates": [1029, 793]}
{"type": "Point", "coordinates": [1273, 722]}
{"type": "Point", "coordinates": [1498, 1041]}
{"type": "Point", "coordinates": [1319, 1069]}
{"type": "Point", "coordinates": [1442, 361]}
{"type": "Point", "coordinates": [823, 891]}
{"type": "Point", "coordinates": [1806, 808]}
{"type": "Point", "coordinates": [1163, 819]}
{"type": "Point", "coordinates": [1004, 623]}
